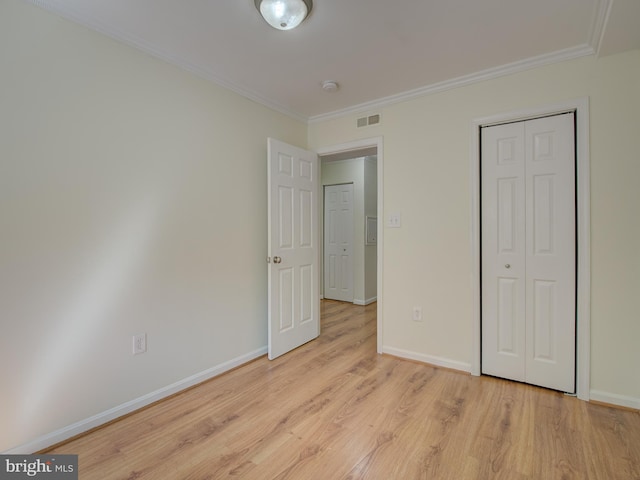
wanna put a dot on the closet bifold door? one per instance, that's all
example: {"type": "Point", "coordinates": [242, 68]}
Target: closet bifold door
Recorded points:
{"type": "Point", "coordinates": [528, 251]}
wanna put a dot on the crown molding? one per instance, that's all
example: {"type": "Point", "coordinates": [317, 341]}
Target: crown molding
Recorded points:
{"type": "Point", "coordinates": [131, 40]}
{"type": "Point", "coordinates": [601, 14]}
{"type": "Point", "coordinates": [491, 73]}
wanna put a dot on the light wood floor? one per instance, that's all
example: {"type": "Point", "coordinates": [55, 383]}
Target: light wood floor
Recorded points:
{"type": "Point", "coordinates": [334, 409]}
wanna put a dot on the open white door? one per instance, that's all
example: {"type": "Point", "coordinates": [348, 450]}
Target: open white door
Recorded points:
{"type": "Point", "coordinates": [293, 250]}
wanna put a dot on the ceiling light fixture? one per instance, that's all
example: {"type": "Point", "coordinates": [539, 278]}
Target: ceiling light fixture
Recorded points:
{"type": "Point", "coordinates": [284, 14]}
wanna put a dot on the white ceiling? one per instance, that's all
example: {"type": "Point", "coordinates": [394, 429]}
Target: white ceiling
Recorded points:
{"type": "Point", "coordinates": [379, 51]}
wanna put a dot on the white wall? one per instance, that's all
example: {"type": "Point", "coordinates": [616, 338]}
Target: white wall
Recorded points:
{"type": "Point", "coordinates": [132, 199]}
{"type": "Point", "coordinates": [427, 262]}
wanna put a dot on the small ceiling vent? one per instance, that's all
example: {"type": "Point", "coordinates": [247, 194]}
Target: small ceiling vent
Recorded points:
{"type": "Point", "coordinates": [370, 120]}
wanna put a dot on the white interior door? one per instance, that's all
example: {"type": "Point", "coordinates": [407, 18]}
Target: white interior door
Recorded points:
{"type": "Point", "coordinates": [528, 251]}
{"type": "Point", "coordinates": [338, 242]}
{"type": "Point", "coordinates": [293, 251]}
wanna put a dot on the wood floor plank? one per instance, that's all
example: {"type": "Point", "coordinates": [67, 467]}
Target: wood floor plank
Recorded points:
{"type": "Point", "coordinates": [335, 409]}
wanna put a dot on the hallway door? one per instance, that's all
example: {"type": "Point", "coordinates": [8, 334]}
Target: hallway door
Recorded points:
{"type": "Point", "coordinates": [338, 242]}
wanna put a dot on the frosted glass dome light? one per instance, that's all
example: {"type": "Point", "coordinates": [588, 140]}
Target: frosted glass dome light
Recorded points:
{"type": "Point", "coordinates": [284, 14]}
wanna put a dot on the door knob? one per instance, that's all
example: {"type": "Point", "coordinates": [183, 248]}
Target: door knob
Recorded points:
{"type": "Point", "coordinates": [277, 260]}
{"type": "Point", "coordinates": [507, 266]}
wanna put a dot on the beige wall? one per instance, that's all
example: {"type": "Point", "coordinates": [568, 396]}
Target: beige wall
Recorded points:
{"type": "Point", "coordinates": [132, 199]}
{"type": "Point", "coordinates": [427, 262]}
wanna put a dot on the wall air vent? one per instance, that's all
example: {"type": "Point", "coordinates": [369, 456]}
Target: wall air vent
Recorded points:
{"type": "Point", "coordinates": [370, 120]}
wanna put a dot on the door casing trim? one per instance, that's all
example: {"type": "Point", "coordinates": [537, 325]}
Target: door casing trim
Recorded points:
{"type": "Point", "coordinates": [355, 146]}
{"type": "Point", "coordinates": [583, 242]}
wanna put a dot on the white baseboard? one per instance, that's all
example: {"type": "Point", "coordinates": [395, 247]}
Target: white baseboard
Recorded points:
{"type": "Point", "coordinates": [82, 426]}
{"type": "Point", "coordinates": [365, 302]}
{"type": "Point", "coordinates": [430, 359]}
{"type": "Point", "coordinates": [87, 424]}
{"type": "Point", "coordinates": [615, 399]}
{"type": "Point", "coordinates": [595, 395]}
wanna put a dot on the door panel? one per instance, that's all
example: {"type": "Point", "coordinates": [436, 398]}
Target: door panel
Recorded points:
{"type": "Point", "coordinates": [294, 290]}
{"type": "Point", "coordinates": [543, 210]}
{"type": "Point", "coordinates": [507, 316]}
{"type": "Point", "coordinates": [285, 216]}
{"type": "Point", "coordinates": [507, 211]}
{"type": "Point", "coordinates": [285, 299]}
{"type": "Point", "coordinates": [544, 319]}
{"type": "Point", "coordinates": [306, 217]}
{"type": "Point", "coordinates": [528, 251]}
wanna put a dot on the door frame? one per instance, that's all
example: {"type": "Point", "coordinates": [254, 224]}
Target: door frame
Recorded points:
{"type": "Point", "coordinates": [583, 238]}
{"type": "Point", "coordinates": [355, 146]}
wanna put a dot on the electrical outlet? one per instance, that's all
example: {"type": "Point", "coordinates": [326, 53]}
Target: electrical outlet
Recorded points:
{"type": "Point", "coordinates": [139, 344]}
{"type": "Point", "coordinates": [417, 314]}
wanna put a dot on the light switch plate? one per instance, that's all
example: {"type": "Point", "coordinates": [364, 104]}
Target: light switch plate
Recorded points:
{"type": "Point", "coordinates": [394, 220]}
